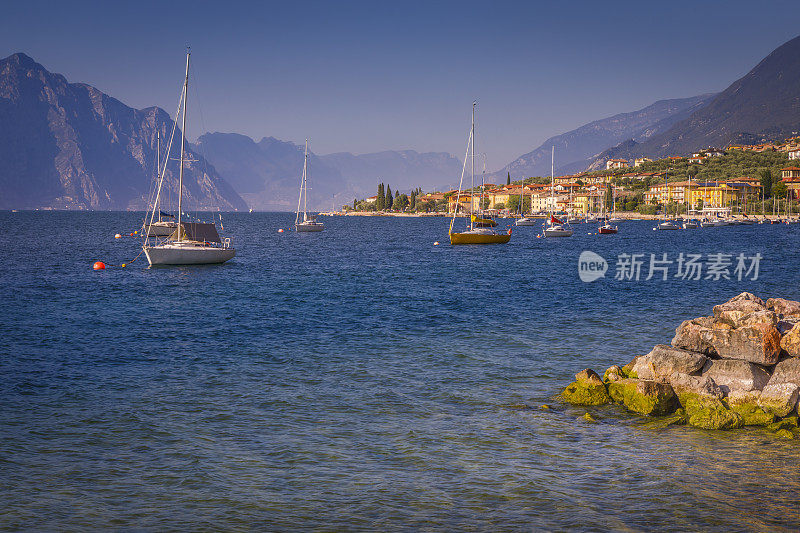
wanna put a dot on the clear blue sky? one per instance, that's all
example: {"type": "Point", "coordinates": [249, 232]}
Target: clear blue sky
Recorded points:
{"type": "Point", "coordinates": [370, 76]}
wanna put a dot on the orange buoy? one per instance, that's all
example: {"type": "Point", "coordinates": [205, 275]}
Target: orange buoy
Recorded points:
{"type": "Point", "coordinates": [99, 265]}
{"type": "Point", "coordinates": [509, 231]}
{"type": "Point", "coordinates": [436, 243]}
{"type": "Point", "coordinates": [117, 236]}
{"type": "Point", "coordinates": [280, 230]}
{"type": "Point", "coordinates": [130, 234]}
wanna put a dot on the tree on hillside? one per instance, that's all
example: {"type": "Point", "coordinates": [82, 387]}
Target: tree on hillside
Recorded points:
{"type": "Point", "coordinates": [608, 198]}
{"type": "Point", "coordinates": [412, 201]}
{"type": "Point", "coordinates": [508, 179]}
{"type": "Point", "coordinates": [380, 202]}
{"type": "Point", "coordinates": [779, 190]}
{"type": "Point", "coordinates": [355, 201]}
{"type": "Point", "coordinates": [389, 200]}
{"type": "Point", "coordinates": [766, 182]}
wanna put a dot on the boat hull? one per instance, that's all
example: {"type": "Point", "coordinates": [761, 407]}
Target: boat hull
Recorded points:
{"type": "Point", "coordinates": [558, 233]}
{"type": "Point", "coordinates": [606, 230]}
{"type": "Point", "coordinates": [187, 255]}
{"type": "Point", "coordinates": [309, 228]}
{"type": "Point", "coordinates": [527, 222]}
{"type": "Point", "coordinates": [478, 238]}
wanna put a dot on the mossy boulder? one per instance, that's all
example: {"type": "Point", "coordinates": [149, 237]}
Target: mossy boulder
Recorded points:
{"type": "Point", "coordinates": [779, 398]}
{"type": "Point", "coordinates": [752, 414]}
{"type": "Point", "coordinates": [783, 424]}
{"type": "Point", "coordinates": [710, 413]}
{"type": "Point", "coordinates": [784, 434]}
{"type": "Point", "coordinates": [650, 398]}
{"type": "Point", "coordinates": [613, 373]}
{"type": "Point", "coordinates": [588, 389]}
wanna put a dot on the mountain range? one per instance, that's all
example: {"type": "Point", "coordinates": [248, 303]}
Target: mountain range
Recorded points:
{"type": "Point", "coordinates": [763, 105]}
{"type": "Point", "coordinates": [70, 146]}
{"type": "Point", "coordinates": [267, 173]}
{"type": "Point", "coordinates": [576, 149]}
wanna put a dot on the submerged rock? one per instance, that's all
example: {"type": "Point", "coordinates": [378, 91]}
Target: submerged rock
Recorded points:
{"type": "Point", "coordinates": [745, 404]}
{"type": "Point", "coordinates": [779, 399]}
{"type": "Point", "coordinates": [709, 413]}
{"type": "Point", "coordinates": [644, 396]}
{"type": "Point", "coordinates": [588, 389]}
{"type": "Point", "coordinates": [734, 375]}
{"type": "Point", "coordinates": [757, 343]}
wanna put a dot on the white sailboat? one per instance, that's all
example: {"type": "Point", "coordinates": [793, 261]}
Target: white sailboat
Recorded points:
{"type": "Point", "coordinates": [554, 227]}
{"type": "Point", "coordinates": [191, 243]}
{"type": "Point", "coordinates": [309, 223]}
{"type": "Point", "coordinates": [525, 221]}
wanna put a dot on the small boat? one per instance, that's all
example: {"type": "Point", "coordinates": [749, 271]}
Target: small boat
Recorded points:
{"type": "Point", "coordinates": [525, 221]}
{"type": "Point", "coordinates": [474, 235]}
{"type": "Point", "coordinates": [713, 223]}
{"type": "Point", "coordinates": [309, 224]}
{"type": "Point", "coordinates": [668, 225]}
{"type": "Point", "coordinates": [607, 229]}
{"type": "Point", "coordinates": [557, 230]}
{"type": "Point", "coordinates": [691, 224]}
{"type": "Point", "coordinates": [574, 220]}
{"type": "Point", "coordinates": [191, 243]}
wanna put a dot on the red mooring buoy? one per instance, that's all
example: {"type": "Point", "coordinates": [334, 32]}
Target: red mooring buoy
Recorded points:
{"type": "Point", "coordinates": [99, 265]}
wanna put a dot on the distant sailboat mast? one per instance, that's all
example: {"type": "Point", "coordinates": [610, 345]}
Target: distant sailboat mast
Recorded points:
{"type": "Point", "coordinates": [183, 147]}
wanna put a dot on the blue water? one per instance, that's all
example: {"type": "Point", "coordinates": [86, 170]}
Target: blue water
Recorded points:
{"type": "Point", "coordinates": [360, 379]}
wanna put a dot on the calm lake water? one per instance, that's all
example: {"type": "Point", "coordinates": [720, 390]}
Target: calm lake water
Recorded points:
{"type": "Point", "coordinates": [361, 379]}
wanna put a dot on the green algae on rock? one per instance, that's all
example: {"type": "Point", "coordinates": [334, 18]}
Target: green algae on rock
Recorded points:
{"type": "Point", "coordinates": [644, 397]}
{"type": "Point", "coordinates": [710, 413]}
{"type": "Point", "coordinates": [587, 389]}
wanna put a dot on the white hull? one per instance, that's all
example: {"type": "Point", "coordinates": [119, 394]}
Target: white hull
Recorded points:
{"type": "Point", "coordinates": [667, 226]}
{"type": "Point", "coordinates": [558, 232]}
{"type": "Point", "coordinates": [187, 254]}
{"type": "Point", "coordinates": [305, 227]}
{"type": "Point", "coordinates": [527, 222]}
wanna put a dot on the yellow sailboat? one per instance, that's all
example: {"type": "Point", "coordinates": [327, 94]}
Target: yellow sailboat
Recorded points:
{"type": "Point", "coordinates": [477, 233]}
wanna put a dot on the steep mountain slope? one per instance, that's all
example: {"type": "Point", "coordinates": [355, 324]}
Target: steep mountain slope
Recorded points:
{"type": "Point", "coordinates": [763, 105]}
{"type": "Point", "coordinates": [576, 148]}
{"type": "Point", "coordinates": [68, 145]}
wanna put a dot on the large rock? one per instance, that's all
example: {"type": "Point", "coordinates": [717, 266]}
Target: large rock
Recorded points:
{"type": "Point", "coordinates": [745, 404]}
{"type": "Point", "coordinates": [695, 335]}
{"type": "Point", "coordinates": [790, 342]}
{"type": "Point", "coordinates": [734, 375]}
{"type": "Point", "coordinates": [734, 310]}
{"type": "Point", "coordinates": [588, 389]}
{"type": "Point", "coordinates": [787, 371]}
{"type": "Point", "coordinates": [613, 373]}
{"type": "Point", "coordinates": [785, 325]}
{"type": "Point", "coordinates": [665, 360]}
{"type": "Point", "coordinates": [779, 399]}
{"type": "Point", "coordinates": [757, 343]}
{"type": "Point", "coordinates": [643, 396]}
{"type": "Point", "coordinates": [684, 385]}
{"type": "Point", "coordinates": [783, 307]}
{"type": "Point", "coordinates": [710, 413]}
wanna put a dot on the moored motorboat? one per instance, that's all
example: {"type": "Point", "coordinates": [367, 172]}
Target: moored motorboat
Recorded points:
{"type": "Point", "coordinates": [526, 221]}
{"type": "Point", "coordinates": [607, 229]}
{"type": "Point", "coordinates": [668, 225]}
{"type": "Point", "coordinates": [691, 224]}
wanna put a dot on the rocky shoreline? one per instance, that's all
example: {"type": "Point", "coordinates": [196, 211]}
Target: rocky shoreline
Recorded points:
{"type": "Point", "coordinates": [738, 367]}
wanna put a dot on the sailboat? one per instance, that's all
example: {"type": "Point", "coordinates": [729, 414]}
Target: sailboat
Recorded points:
{"type": "Point", "coordinates": [309, 223]}
{"type": "Point", "coordinates": [554, 227]}
{"type": "Point", "coordinates": [667, 224]}
{"type": "Point", "coordinates": [191, 243]}
{"type": "Point", "coordinates": [475, 234]}
{"type": "Point", "coordinates": [607, 228]}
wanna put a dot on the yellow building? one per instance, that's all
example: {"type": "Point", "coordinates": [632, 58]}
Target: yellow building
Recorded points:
{"type": "Point", "coordinates": [588, 202]}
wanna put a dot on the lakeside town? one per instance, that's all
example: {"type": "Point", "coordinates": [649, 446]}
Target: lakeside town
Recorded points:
{"type": "Point", "coordinates": [759, 179]}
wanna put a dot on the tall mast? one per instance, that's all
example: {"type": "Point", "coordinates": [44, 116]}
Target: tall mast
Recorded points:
{"type": "Point", "coordinates": [183, 147]}
{"type": "Point", "coordinates": [158, 163]}
{"type": "Point", "coordinates": [552, 179]}
{"type": "Point", "coordinates": [305, 183]}
{"type": "Point", "coordinates": [472, 170]}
